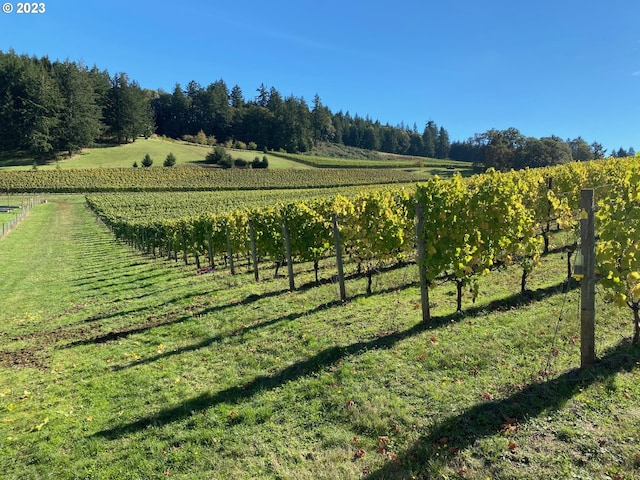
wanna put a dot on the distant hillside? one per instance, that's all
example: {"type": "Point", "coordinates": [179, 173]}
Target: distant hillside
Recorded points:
{"type": "Point", "coordinates": [335, 150]}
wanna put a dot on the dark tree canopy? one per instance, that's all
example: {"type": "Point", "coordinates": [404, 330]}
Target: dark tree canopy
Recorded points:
{"type": "Point", "coordinates": [510, 149]}
{"type": "Point", "coordinates": [50, 107]}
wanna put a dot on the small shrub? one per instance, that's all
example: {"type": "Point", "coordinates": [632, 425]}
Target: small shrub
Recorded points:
{"type": "Point", "coordinates": [170, 161]}
{"type": "Point", "coordinates": [226, 162]}
{"type": "Point", "coordinates": [135, 164]}
{"type": "Point", "coordinates": [216, 155]}
{"type": "Point", "coordinates": [240, 163]}
{"type": "Point", "coordinates": [147, 161]}
{"type": "Point", "coordinates": [201, 138]}
{"type": "Point", "coordinates": [257, 163]}
{"type": "Point", "coordinates": [240, 145]}
{"type": "Point", "coordinates": [252, 146]}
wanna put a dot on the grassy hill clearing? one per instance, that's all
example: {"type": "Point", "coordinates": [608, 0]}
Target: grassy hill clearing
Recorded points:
{"type": "Point", "coordinates": [123, 156]}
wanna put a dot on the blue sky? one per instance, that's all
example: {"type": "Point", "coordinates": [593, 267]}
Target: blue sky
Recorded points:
{"type": "Point", "coordinates": [564, 67]}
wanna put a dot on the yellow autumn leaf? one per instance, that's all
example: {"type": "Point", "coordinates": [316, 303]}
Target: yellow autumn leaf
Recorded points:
{"type": "Point", "coordinates": [39, 426]}
{"type": "Point", "coordinates": [620, 300]}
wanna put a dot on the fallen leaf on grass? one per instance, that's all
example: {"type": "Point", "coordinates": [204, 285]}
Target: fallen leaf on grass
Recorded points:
{"type": "Point", "coordinates": [39, 426]}
{"type": "Point", "coordinates": [360, 453]}
{"type": "Point", "coordinates": [510, 425]}
{"type": "Point", "coordinates": [512, 446]}
{"type": "Point", "coordinates": [487, 396]}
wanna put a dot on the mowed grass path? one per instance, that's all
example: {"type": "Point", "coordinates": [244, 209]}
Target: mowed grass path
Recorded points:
{"type": "Point", "coordinates": [113, 365]}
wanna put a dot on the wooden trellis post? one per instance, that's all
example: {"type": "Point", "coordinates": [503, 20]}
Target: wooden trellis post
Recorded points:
{"type": "Point", "coordinates": [338, 244]}
{"type": "Point", "coordinates": [588, 281]}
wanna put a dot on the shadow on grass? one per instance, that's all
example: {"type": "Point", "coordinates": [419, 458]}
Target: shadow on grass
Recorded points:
{"type": "Point", "coordinates": [297, 370]}
{"type": "Point", "coordinates": [234, 333]}
{"type": "Point", "coordinates": [17, 159]}
{"type": "Point", "coordinates": [491, 417]}
{"type": "Point", "coordinates": [173, 319]}
{"type": "Point", "coordinates": [519, 299]}
{"type": "Point", "coordinates": [167, 319]}
{"type": "Point", "coordinates": [312, 365]}
{"type": "Point", "coordinates": [512, 301]}
{"type": "Point", "coordinates": [243, 330]}
{"type": "Point", "coordinates": [238, 393]}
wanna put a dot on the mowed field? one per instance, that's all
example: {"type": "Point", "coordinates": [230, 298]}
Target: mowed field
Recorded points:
{"type": "Point", "coordinates": [123, 156]}
{"type": "Point", "coordinates": [117, 365]}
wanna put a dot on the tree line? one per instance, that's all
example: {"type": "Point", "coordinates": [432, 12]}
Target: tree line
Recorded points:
{"type": "Point", "coordinates": [273, 121]}
{"type": "Point", "coordinates": [510, 149]}
{"type": "Point", "coordinates": [52, 107]}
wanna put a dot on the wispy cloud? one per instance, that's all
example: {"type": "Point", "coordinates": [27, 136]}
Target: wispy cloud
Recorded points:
{"type": "Point", "coordinates": [636, 73]}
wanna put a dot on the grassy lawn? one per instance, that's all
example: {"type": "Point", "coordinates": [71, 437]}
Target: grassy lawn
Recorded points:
{"type": "Point", "coordinates": [124, 155]}
{"type": "Point", "coordinates": [114, 365]}
{"type": "Point", "coordinates": [6, 216]}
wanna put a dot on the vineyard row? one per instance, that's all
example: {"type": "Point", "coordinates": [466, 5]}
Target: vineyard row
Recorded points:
{"type": "Point", "coordinates": [466, 226]}
{"type": "Point", "coordinates": [188, 179]}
